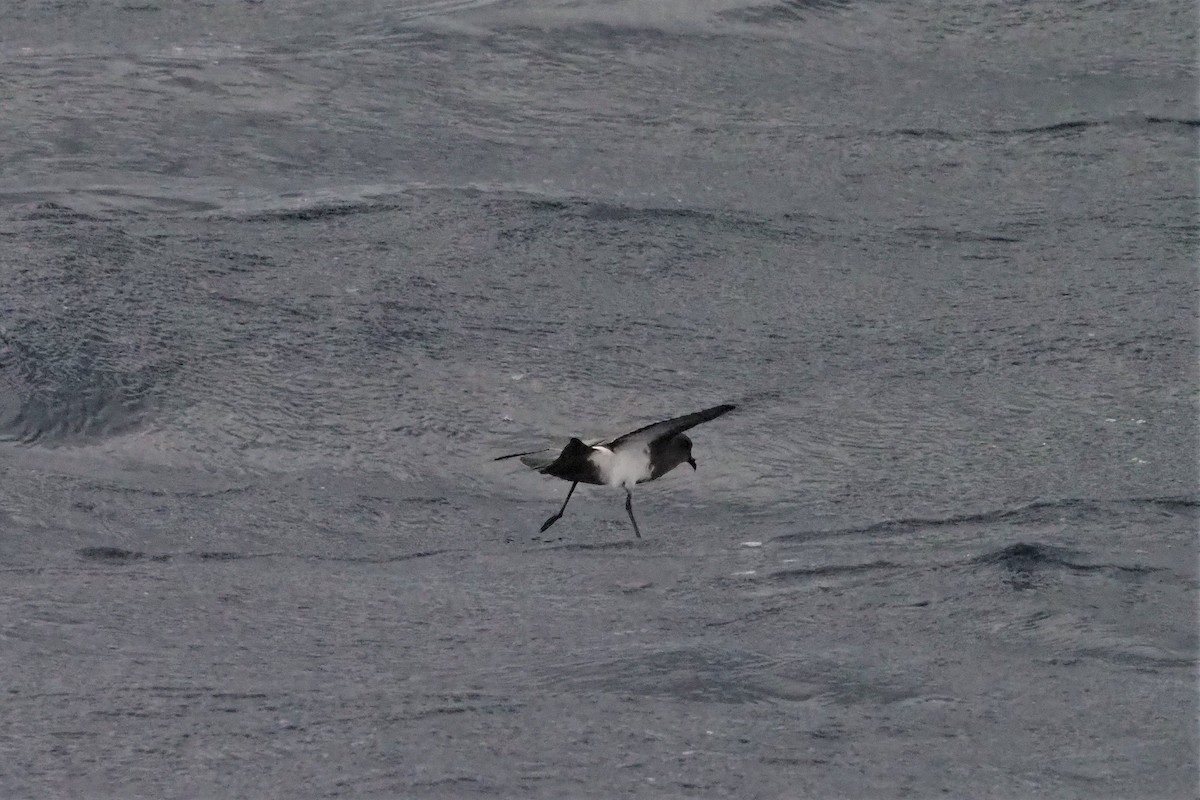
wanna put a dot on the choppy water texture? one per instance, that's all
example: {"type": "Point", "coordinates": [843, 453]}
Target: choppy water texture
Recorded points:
{"type": "Point", "coordinates": [277, 281]}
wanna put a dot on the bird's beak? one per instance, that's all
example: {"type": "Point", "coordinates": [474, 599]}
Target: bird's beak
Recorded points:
{"type": "Point", "coordinates": [692, 461]}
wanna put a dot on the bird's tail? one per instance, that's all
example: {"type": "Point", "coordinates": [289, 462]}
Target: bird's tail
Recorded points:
{"type": "Point", "coordinates": [538, 459]}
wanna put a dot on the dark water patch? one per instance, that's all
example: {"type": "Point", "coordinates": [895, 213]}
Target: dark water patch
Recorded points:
{"type": "Point", "coordinates": [1040, 511]}
{"type": "Point", "coordinates": [1024, 556]}
{"type": "Point", "coordinates": [556, 206]}
{"type": "Point", "coordinates": [657, 216]}
{"type": "Point", "coordinates": [118, 555]}
{"type": "Point", "coordinates": [230, 555]}
{"type": "Point", "coordinates": [222, 555]}
{"type": "Point", "coordinates": [317, 213]}
{"type": "Point", "coordinates": [110, 555]}
{"type": "Point", "coordinates": [609, 212]}
{"type": "Point", "coordinates": [218, 555]}
{"type": "Point", "coordinates": [613, 212]}
{"type": "Point", "coordinates": [1034, 555]}
{"type": "Point", "coordinates": [1057, 127]}
{"type": "Point", "coordinates": [51, 211]}
{"type": "Point", "coordinates": [935, 134]}
{"type": "Point", "coordinates": [930, 233]}
{"type": "Point", "coordinates": [1026, 562]}
{"type": "Point", "coordinates": [940, 134]}
{"type": "Point", "coordinates": [1187, 122]}
{"type": "Point", "coordinates": [1174, 503]}
{"type": "Point", "coordinates": [392, 559]}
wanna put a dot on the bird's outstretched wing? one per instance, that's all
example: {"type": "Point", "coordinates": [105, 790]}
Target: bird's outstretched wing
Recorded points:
{"type": "Point", "coordinates": [669, 428]}
{"type": "Point", "coordinates": [540, 460]}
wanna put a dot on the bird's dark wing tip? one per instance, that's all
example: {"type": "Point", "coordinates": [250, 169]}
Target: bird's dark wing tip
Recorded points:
{"type": "Point", "coordinates": [515, 455]}
{"type": "Point", "coordinates": [716, 411]}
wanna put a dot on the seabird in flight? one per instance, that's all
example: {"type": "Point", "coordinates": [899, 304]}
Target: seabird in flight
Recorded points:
{"type": "Point", "coordinates": [642, 455]}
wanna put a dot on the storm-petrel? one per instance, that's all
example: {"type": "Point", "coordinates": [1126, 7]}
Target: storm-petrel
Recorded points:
{"type": "Point", "coordinates": [643, 455]}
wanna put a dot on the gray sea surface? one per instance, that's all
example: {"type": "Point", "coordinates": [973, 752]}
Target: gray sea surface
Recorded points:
{"type": "Point", "coordinates": [279, 280]}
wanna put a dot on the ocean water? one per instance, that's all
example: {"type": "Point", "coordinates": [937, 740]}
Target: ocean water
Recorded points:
{"type": "Point", "coordinates": [279, 281]}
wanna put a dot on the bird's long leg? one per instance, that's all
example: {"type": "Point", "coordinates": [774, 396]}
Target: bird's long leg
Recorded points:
{"type": "Point", "coordinates": [557, 516]}
{"type": "Point", "coordinates": [629, 508]}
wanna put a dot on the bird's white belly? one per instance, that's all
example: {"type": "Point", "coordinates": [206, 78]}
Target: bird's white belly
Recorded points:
{"type": "Point", "coordinates": [622, 468]}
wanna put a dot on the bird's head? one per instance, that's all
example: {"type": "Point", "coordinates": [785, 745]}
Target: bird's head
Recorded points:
{"type": "Point", "coordinates": [686, 444]}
